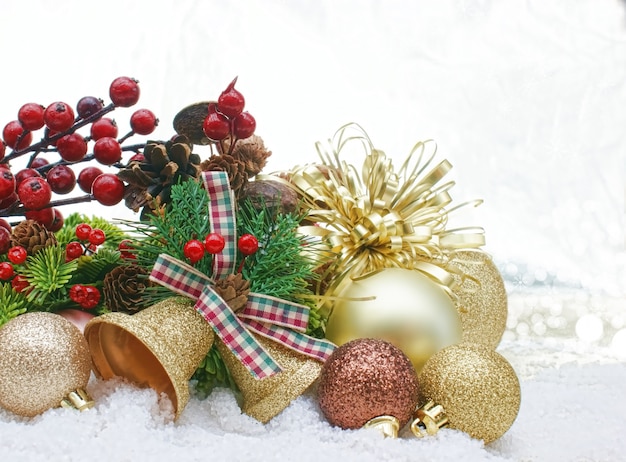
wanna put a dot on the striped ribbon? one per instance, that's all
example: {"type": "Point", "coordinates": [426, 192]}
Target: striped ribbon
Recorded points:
{"type": "Point", "coordinates": [280, 320]}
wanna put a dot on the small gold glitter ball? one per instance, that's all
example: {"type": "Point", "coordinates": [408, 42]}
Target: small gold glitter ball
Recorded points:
{"type": "Point", "coordinates": [408, 309]}
{"type": "Point", "coordinates": [43, 357]}
{"type": "Point", "coordinates": [484, 299]}
{"type": "Point", "coordinates": [364, 379]}
{"type": "Point", "coordinates": [477, 388]}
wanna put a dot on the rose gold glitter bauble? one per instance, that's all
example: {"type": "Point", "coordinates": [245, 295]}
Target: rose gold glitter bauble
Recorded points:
{"type": "Point", "coordinates": [43, 358]}
{"type": "Point", "coordinates": [367, 378]}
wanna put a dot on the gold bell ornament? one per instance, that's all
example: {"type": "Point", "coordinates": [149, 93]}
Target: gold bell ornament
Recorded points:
{"type": "Point", "coordinates": [44, 363]}
{"type": "Point", "coordinates": [159, 347]}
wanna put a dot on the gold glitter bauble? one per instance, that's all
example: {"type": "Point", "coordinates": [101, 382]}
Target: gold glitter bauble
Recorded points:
{"type": "Point", "coordinates": [409, 310]}
{"type": "Point", "coordinates": [476, 386]}
{"type": "Point", "coordinates": [264, 399]}
{"type": "Point", "coordinates": [364, 379]}
{"type": "Point", "coordinates": [483, 319]}
{"type": "Point", "coordinates": [43, 358]}
{"type": "Point", "coordinates": [159, 347]}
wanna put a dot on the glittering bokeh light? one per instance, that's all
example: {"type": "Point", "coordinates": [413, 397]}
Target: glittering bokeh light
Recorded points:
{"type": "Point", "coordinates": [589, 328]}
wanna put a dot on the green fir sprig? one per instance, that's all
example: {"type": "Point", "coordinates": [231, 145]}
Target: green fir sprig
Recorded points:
{"type": "Point", "coordinates": [114, 234]}
{"type": "Point", "coordinates": [48, 274]}
{"type": "Point", "coordinates": [12, 303]}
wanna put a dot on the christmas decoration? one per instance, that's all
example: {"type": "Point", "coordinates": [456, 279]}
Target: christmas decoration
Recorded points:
{"type": "Point", "coordinates": [44, 363]}
{"type": "Point", "coordinates": [159, 347]}
{"type": "Point", "coordinates": [482, 298]}
{"type": "Point", "coordinates": [475, 387]}
{"type": "Point", "coordinates": [404, 307]}
{"type": "Point", "coordinates": [367, 379]}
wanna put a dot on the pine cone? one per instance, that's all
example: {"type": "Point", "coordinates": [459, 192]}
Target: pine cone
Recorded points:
{"type": "Point", "coordinates": [272, 195]}
{"type": "Point", "coordinates": [251, 151]}
{"type": "Point", "coordinates": [234, 289]}
{"type": "Point", "coordinates": [190, 120]}
{"type": "Point", "coordinates": [150, 181]}
{"type": "Point", "coordinates": [235, 169]}
{"type": "Point", "coordinates": [32, 236]}
{"type": "Point", "coordinates": [123, 288]}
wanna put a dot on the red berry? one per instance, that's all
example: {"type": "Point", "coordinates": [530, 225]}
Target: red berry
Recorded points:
{"type": "Point", "coordinates": [17, 254]}
{"type": "Point", "coordinates": [44, 216]}
{"type": "Point", "coordinates": [5, 240]}
{"type": "Point", "coordinates": [8, 201]}
{"type": "Point", "coordinates": [214, 243]}
{"type": "Point", "coordinates": [92, 297]}
{"type": "Point", "coordinates": [139, 157]}
{"type": "Point", "coordinates": [78, 294]}
{"type": "Point", "coordinates": [83, 231]}
{"type": "Point", "coordinates": [30, 116]}
{"type": "Point", "coordinates": [35, 193]}
{"type": "Point", "coordinates": [103, 127]}
{"type": "Point", "coordinates": [15, 137]}
{"type": "Point", "coordinates": [86, 177]}
{"type": "Point", "coordinates": [124, 91]}
{"type": "Point", "coordinates": [7, 184]}
{"type": "Point", "coordinates": [126, 249]}
{"type": "Point", "coordinates": [72, 147]}
{"type": "Point", "coordinates": [143, 121]}
{"type": "Point", "coordinates": [57, 221]}
{"type": "Point", "coordinates": [248, 244]}
{"type": "Point", "coordinates": [5, 224]}
{"type": "Point", "coordinates": [19, 283]}
{"type": "Point", "coordinates": [107, 150]}
{"type": "Point", "coordinates": [59, 116]}
{"type": "Point", "coordinates": [193, 250]}
{"type": "Point", "coordinates": [3, 150]}
{"type": "Point", "coordinates": [6, 271]}
{"type": "Point", "coordinates": [244, 125]}
{"type": "Point", "coordinates": [38, 162]}
{"type": "Point", "coordinates": [25, 173]}
{"type": "Point", "coordinates": [231, 102]}
{"type": "Point", "coordinates": [74, 250]}
{"type": "Point", "coordinates": [108, 189]}
{"type": "Point", "coordinates": [97, 236]}
{"type": "Point", "coordinates": [61, 179]}
{"type": "Point", "coordinates": [216, 126]}
{"type": "Point", "coordinates": [88, 106]}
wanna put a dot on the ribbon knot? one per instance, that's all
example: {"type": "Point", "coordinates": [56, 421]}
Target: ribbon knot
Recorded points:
{"type": "Point", "coordinates": [280, 320]}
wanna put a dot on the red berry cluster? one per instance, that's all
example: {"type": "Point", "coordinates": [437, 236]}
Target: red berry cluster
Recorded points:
{"type": "Point", "coordinates": [88, 241]}
{"type": "Point", "coordinates": [227, 118]}
{"type": "Point", "coordinates": [17, 255]}
{"type": "Point", "coordinates": [29, 192]}
{"type": "Point", "coordinates": [214, 243]}
{"type": "Point", "coordinates": [87, 297]}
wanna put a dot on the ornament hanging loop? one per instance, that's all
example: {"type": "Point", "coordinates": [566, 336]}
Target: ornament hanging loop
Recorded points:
{"type": "Point", "coordinates": [429, 418]}
{"type": "Point", "coordinates": [77, 399]}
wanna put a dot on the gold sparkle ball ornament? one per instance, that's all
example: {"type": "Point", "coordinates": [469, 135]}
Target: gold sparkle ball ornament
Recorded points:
{"type": "Point", "coordinates": [401, 306]}
{"type": "Point", "coordinates": [44, 363]}
{"type": "Point", "coordinates": [482, 298]}
{"type": "Point", "coordinates": [367, 380]}
{"type": "Point", "coordinates": [476, 388]}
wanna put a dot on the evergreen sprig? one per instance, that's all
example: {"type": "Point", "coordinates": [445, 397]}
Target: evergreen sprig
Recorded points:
{"type": "Point", "coordinates": [12, 303]}
{"type": "Point", "coordinates": [91, 269]}
{"type": "Point", "coordinates": [48, 272]}
{"type": "Point", "coordinates": [114, 234]}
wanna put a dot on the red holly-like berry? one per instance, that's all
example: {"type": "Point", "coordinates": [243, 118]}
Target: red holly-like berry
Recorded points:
{"type": "Point", "coordinates": [19, 283]}
{"type": "Point", "coordinates": [5, 224]}
{"type": "Point", "coordinates": [216, 125]}
{"type": "Point", "coordinates": [35, 193]}
{"type": "Point", "coordinates": [72, 147]}
{"type": "Point", "coordinates": [15, 136]}
{"type": "Point", "coordinates": [126, 249]}
{"type": "Point", "coordinates": [58, 116]}
{"type": "Point", "coordinates": [7, 184]}
{"type": "Point", "coordinates": [8, 201]}
{"type": "Point", "coordinates": [17, 255]}
{"type": "Point", "coordinates": [3, 149]}
{"type": "Point", "coordinates": [38, 162]}
{"type": "Point", "coordinates": [108, 189]}
{"type": "Point", "coordinates": [5, 240]}
{"type": "Point", "coordinates": [30, 116]}
{"type": "Point", "coordinates": [103, 127]}
{"type": "Point", "coordinates": [74, 250]}
{"type": "Point", "coordinates": [214, 243]}
{"type": "Point", "coordinates": [25, 173]}
{"type": "Point", "coordinates": [248, 244]}
{"type": "Point", "coordinates": [92, 297]}
{"type": "Point", "coordinates": [97, 236]}
{"type": "Point", "coordinates": [193, 250]}
{"type": "Point", "coordinates": [82, 231]}
{"type": "Point", "coordinates": [124, 91]}
{"type": "Point", "coordinates": [143, 121]}
{"type": "Point", "coordinates": [61, 179]}
{"type": "Point", "coordinates": [78, 294]}
{"type": "Point", "coordinates": [88, 106]}
{"type": "Point", "coordinates": [86, 177]}
{"type": "Point", "coordinates": [44, 216]}
{"type": "Point", "coordinates": [244, 126]}
{"type": "Point", "coordinates": [107, 150]}
{"type": "Point", "coordinates": [231, 102]}
{"type": "Point", "coordinates": [6, 271]}
{"type": "Point", "coordinates": [138, 157]}
{"type": "Point", "coordinates": [57, 221]}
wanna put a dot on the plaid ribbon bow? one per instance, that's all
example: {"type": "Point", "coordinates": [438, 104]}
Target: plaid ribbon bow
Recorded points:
{"type": "Point", "coordinates": [280, 320]}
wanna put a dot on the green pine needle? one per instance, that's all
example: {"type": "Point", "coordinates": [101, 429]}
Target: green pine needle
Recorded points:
{"type": "Point", "coordinates": [114, 234]}
{"type": "Point", "coordinates": [93, 268]}
{"type": "Point", "coordinates": [47, 272]}
{"type": "Point", "coordinates": [12, 303]}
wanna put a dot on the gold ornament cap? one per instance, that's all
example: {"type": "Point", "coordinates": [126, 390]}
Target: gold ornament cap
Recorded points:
{"type": "Point", "coordinates": [78, 399]}
{"type": "Point", "coordinates": [388, 425]}
{"type": "Point", "coordinates": [159, 347]}
{"type": "Point", "coordinates": [429, 418]}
